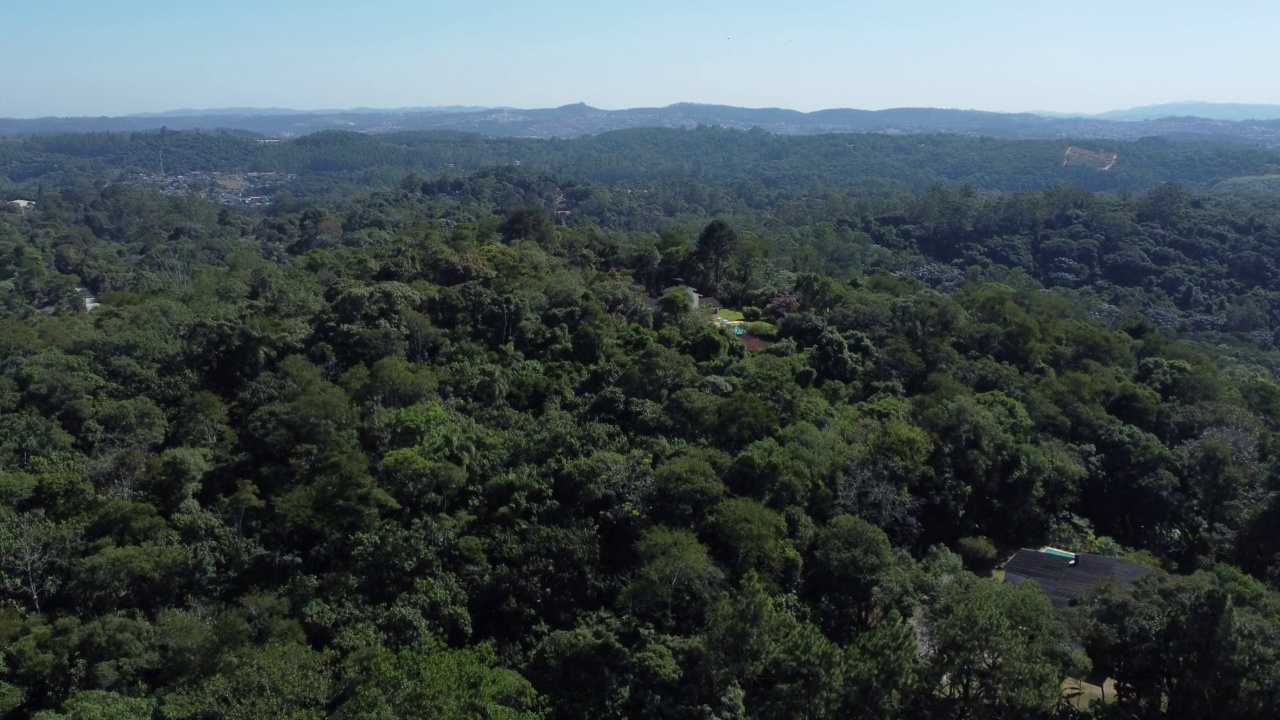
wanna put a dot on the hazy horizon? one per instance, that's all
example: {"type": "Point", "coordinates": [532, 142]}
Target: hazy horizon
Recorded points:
{"type": "Point", "coordinates": [145, 56]}
{"type": "Point", "coordinates": [274, 110]}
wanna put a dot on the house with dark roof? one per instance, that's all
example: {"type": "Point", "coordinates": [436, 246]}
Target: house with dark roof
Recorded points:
{"type": "Point", "coordinates": [1065, 576]}
{"type": "Point", "coordinates": [703, 303]}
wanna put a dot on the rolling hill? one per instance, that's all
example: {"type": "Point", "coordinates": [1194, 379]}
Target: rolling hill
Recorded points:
{"type": "Point", "coordinates": [581, 119]}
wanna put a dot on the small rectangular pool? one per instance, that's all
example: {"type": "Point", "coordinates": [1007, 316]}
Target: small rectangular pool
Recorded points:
{"type": "Point", "coordinates": [1058, 553]}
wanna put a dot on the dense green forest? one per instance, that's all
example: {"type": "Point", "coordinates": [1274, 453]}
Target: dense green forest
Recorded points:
{"type": "Point", "coordinates": [430, 451]}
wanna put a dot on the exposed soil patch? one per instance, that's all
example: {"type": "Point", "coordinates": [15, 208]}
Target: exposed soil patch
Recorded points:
{"type": "Point", "coordinates": [1100, 161]}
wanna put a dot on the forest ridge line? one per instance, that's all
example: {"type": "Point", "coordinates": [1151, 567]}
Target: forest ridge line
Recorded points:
{"type": "Point", "coordinates": [1226, 123]}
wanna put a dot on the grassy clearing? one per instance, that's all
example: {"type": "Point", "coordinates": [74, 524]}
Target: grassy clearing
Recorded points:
{"type": "Point", "coordinates": [731, 315]}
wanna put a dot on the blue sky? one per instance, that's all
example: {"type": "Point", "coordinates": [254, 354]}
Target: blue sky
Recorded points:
{"type": "Point", "coordinates": [89, 57]}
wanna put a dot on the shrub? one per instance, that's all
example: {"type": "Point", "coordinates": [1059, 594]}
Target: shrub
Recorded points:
{"type": "Point", "coordinates": [752, 313]}
{"type": "Point", "coordinates": [978, 553]}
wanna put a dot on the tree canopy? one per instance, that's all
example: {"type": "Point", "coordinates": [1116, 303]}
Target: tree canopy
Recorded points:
{"type": "Point", "coordinates": [434, 449]}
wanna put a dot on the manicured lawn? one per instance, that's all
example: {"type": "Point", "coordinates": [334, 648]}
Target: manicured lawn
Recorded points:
{"type": "Point", "coordinates": [731, 315]}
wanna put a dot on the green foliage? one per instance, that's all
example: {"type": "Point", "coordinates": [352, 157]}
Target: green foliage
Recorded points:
{"type": "Point", "coordinates": [996, 648]}
{"type": "Point", "coordinates": [676, 580]}
{"type": "Point", "coordinates": [762, 330]}
{"type": "Point", "coordinates": [978, 553]}
{"type": "Point", "coordinates": [1197, 643]}
{"type": "Point", "coordinates": [847, 575]}
{"type": "Point", "coordinates": [675, 304]}
{"type": "Point", "coordinates": [432, 681]}
{"type": "Point", "coordinates": [284, 681]}
{"type": "Point", "coordinates": [752, 538]}
{"type": "Point", "coordinates": [101, 705]}
{"type": "Point", "coordinates": [427, 451]}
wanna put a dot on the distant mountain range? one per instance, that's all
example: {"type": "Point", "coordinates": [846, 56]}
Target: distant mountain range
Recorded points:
{"type": "Point", "coordinates": [1231, 112]}
{"type": "Point", "coordinates": [1234, 112]}
{"type": "Point", "coordinates": [1174, 122]}
{"type": "Point", "coordinates": [267, 112]}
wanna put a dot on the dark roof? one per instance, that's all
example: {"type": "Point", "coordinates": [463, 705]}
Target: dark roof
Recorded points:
{"type": "Point", "coordinates": [1063, 580]}
{"type": "Point", "coordinates": [709, 302]}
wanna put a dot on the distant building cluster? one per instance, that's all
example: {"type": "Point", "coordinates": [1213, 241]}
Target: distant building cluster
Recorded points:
{"type": "Point", "coordinates": [236, 189]}
{"type": "Point", "coordinates": [563, 206]}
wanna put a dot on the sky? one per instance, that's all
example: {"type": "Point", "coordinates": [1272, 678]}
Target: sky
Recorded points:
{"type": "Point", "coordinates": [89, 57]}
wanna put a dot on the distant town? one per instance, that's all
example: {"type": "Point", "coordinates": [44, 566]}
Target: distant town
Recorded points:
{"type": "Point", "coordinates": [242, 189]}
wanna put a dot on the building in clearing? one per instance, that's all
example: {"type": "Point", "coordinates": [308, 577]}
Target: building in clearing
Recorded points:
{"type": "Point", "coordinates": [23, 204]}
{"type": "Point", "coordinates": [1065, 576]}
{"type": "Point", "coordinates": [703, 303]}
